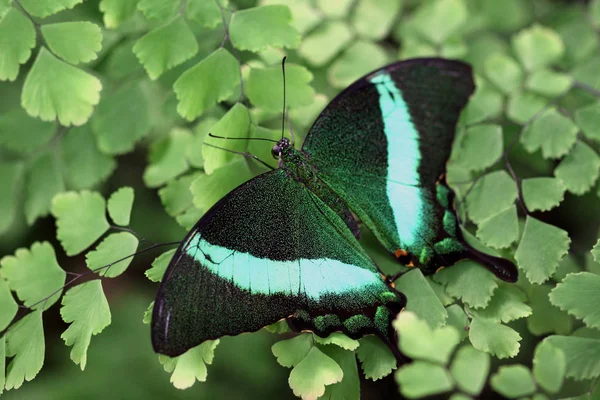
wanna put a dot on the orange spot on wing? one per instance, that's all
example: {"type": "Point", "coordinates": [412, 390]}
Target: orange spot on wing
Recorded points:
{"type": "Point", "coordinates": [399, 253]}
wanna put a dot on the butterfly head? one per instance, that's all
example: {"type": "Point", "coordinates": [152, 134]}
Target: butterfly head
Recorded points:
{"type": "Point", "coordinates": [280, 148]}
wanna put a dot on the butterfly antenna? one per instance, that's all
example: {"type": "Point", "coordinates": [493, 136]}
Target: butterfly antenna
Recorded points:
{"type": "Point", "coordinates": [283, 116]}
{"type": "Point", "coordinates": [241, 138]}
{"type": "Point", "coordinates": [241, 153]}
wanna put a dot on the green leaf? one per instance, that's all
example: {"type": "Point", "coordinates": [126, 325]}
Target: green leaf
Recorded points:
{"type": "Point", "coordinates": [34, 274]}
{"type": "Point", "coordinates": [159, 266]}
{"type": "Point", "coordinates": [486, 103]}
{"type": "Point", "coordinates": [114, 252]}
{"type": "Point", "coordinates": [493, 193]}
{"type": "Point", "coordinates": [507, 304]}
{"type": "Point", "coordinates": [54, 89]}
{"type": "Point", "coordinates": [43, 182]}
{"type": "Point", "coordinates": [578, 294]}
{"type": "Point", "coordinates": [421, 378]}
{"type": "Point", "coordinates": [17, 38]}
{"type": "Point", "coordinates": [208, 82]}
{"type": "Point", "coordinates": [333, 10]}
{"type": "Point", "coordinates": [122, 119]}
{"type": "Point", "coordinates": [413, 47]}
{"type": "Point", "coordinates": [10, 176]}
{"type": "Point", "coordinates": [494, 338]}
{"type": "Point", "coordinates": [513, 381]}
{"type": "Point", "coordinates": [376, 359]}
{"type": "Point", "coordinates": [373, 19]}
{"type": "Point", "coordinates": [264, 87]}
{"type": "Point", "coordinates": [579, 170]}
{"type": "Point", "coordinates": [357, 60]}
{"type": "Point", "coordinates": [176, 197]}
{"type": "Point", "coordinates": [147, 319]}
{"type": "Point", "coordinates": [310, 376]}
{"type": "Point", "coordinates": [480, 147]}
{"type": "Point", "coordinates": [468, 281]}
{"type": "Point", "coordinates": [116, 11]}
{"type": "Point", "coordinates": [549, 365]}
{"type": "Point", "coordinates": [8, 307]}
{"type": "Point", "coordinates": [541, 248]}
{"type": "Point", "coordinates": [190, 366]}
{"type": "Point", "coordinates": [167, 158]}
{"type": "Point", "coordinates": [504, 72]}
{"type": "Point", "coordinates": [201, 131]}
{"type": "Point", "coordinates": [523, 106]}
{"type": "Point", "coordinates": [166, 47]}
{"type": "Point", "coordinates": [458, 319]}
{"type": "Point", "coordinates": [596, 251]}
{"type": "Point", "coordinates": [470, 369]}
{"type": "Point", "coordinates": [44, 8]}
{"type": "Point", "coordinates": [257, 28]}
{"type": "Point", "coordinates": [22, 133]}
{"type": "Point", "coordinates": [338, 339]}
{"type": "Point", "coordinates": [423, 300]}
{"type": "Point", "coordinates": [336, 34]}
{"type": "Point", "coordinates": [121, 62]}
{"type": "Point", "coordinates": [418, 340]}
{"type": "Point", "coordinates": [439, 291]}
{"type": "Point", "coordinates": [583, 355]}
{"type": "Point", "coordinates": [567, 265]}
{"type": "Point", "coordinates": [588, 119]}
{"type": "Point", "coordinates": [542, 193]}
{"type": "Point", "coordinates": [594, 10]}
{"type": "Point", "coordinates": [86, 308]}
{"type": "Point", "coordinates": [439, 19]}
{"type": "Point", "coordinates": [545, 317]}
{"type": "Point", "coordinates": [349, 387]}
{"type": "Point", "coordinates": [537, 47]}
{"type": "Point", "coordinates": [25, 342]}
{"type": "Point", "coordinates": [549, 83]}
{"type": "Point", "coordinates": [80, 220]}
{"type": "Point", "coordinates": [554, 133]}
{"type": "Point", "coordinates": [2, 358]}
{"type": "Point", "coordinates": [290, 352]}
{"type": "Point", "coordinates": [119, 205]}
{"type": "Point", "coordinates": [206, 13]}
{"type": "Point", "coordinates": [74, 42]}
{"type": "Point", "coordinates": [159, 9]}
{"type": "Point", "coordinates": [500, 230]}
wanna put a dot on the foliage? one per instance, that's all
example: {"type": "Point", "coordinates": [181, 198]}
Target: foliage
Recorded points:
{"type": "Point", "coordinates": [86, 82]}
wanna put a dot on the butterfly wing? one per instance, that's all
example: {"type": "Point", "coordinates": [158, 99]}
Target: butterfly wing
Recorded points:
{"type": "Point", "coordinates": [270, 249]}
{"type": "Point", "coordinates": [382, 145]}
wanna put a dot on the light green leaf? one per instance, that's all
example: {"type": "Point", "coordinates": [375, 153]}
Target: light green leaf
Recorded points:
{"type": "Point", "coordinates": [257, 28]}
{"type": "Point", "coordinates": [546, 318]}
{"type": "Point", "coordinates": [439, 19]}
{"type": "Point", "coordinates": [579, 170]}
{"type": "Point", "coordinates": [594, 10]}
{"type": "Point", "coordinates": [147, 319]}
{"type": "Point", "coordinates": [208, 189]}
{"type": "Point", "coordinates": [373, 19]}
{"type": "Point", "coordinates": [524, 105]}
{"type": "Point", "coordinates": [159, 266]}
{"type": "Point", "coordinates": [74, 42]}
{"type": "Point", "coordinates": [588, 119]}
{"type": "Point", "coordinates": [80, 219]}
{"type": "Point", "coordinates": [335, 33]}
{"type": "Point", "coordinates": [542, 193]}
{"type": "Point", "coordinates": [538, 46]}
{"type": "Point", "coordinates": [25, 342]}
{"type": "Point", "coordinates": [122, 119]}
{"type": "Point", "coordinates": [265, 87]}
{"type": "Point", "coordinates": [121, 62]}
{"type": "Point", "coordinates": [2, 358]}
{"type": "Point", "coordinates": [338, 339]}
{"type": "Point", "coordinates": [44, 8]}
{"type": "Point", "coordinates": [549, 83]}
{"type": "Point", "coordinates": [470, 369]}
{"type": "Point", "coordinates": [541, 248]}
{"type": "Point", "coordinates": [494, 338]}
{"type": "Point", "coordinates": [439, 291]}
{"type": "Point", "coordinates": [43, 181]}
{"type": "Point", "coordinates": [458, 319]}
{"type": "Point", "coordinates": [504, 72]}
{"type": "Point", "coordinates": [480, 147]}
{"type": "Point", "coordinates": [176, 196]}
{"type": "Point", "coordinates": [566, 266]}
{"type": "Point", "coordinates": [579, 294]}
{"type": "Point", "coordinates": [8, 307]}
{"type": "Point", "coordinates": [418, 340]}
{"type": "Point", "coordinates": [208, 82]}
{"type": "Point", "coordinates": [583, 355]}
{"type": "Point", "coordinates": [167, 158]}
{"type": "Point", "coordinates": [54, 89]}
{"type": "Point", "coordinates": [86, 308]}
{"type": "Point", "coordinates": [459, 396]}
{"type": "Point", "coordinates": [17, 38]}
{"type": "Point", "coordinates": [205, 12]}
{"type": "Point", "coordinates": [376, 359]}
{"type": "Point", "coordinates": [513, 381]}
{"type": "Point", "coordinates": [421, 378]}
{"type": "Point", "coordinates": [486, 103]}
{"type": "Point", "coordinates": [500, 230]}
{"type": "Point", "coordinates": [507, 304]}
{"type": "Point", "coordinates": [305, 116]}
{"type": "Point", "coordinates": [201, 131]}
{"type": "Point", "coordinates": [290, 352]}
{"type": "Point", "coordinates": [596, 251]}
{"type": "Point", "coordinates": [468, 281]}
{"type": "Point", "coordinates": [333, 10]}
{"type": "Point", "coordinates": [116, 11]}
{"type": "Point", "coordinates": [357, 60]}
{"type": "Point", "coordinates": [413, 47]}
{"type": "Point", "coordinates": [493, 193]}
{"type": "Point", "coordinates": [114, 252]}
{"type": "Point", "coordinates": [422, 299]}
{"type": "Point", "coordinates": [190, 366]}
{"type": "Point", "coordinates": [310, 376]}
{"type": "Point", "coordinates": [160, 9]}
{"type": "Point", "coordinates": [10, 176]}
{"type": "Point", "coordinates": [166, 47]}
{"type": "Point", "coordinates": [22, 133]}
{"type": "Point", "coordinates": [349, 387]}
{"type": "Point", "coordinates": [119, 205]}
{"type": "Point", "coordinates": [549, 365]}
{"type": "Point", "coordinates": [554, 133]}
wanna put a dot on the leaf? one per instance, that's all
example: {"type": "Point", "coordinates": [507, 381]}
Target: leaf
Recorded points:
{"type": "Point", "coordinates": [579, 169]}
{"type": "Point", "coordinates": [546, 318]}
{"type": "Point", "coordinates": [2, 359]}
{"type": "Point", "coordinates": [310, 376]}
{"type": "Point", "coordinates": [290, 352]}
{"type": "Point", "coordinates": [493, 193]}
{"type": "Point", "coordinates": [191, 365]}
{"type": "Point", "coordinates": [418, 340]}
{"type": "Point", "coordinates": [537, 47]}
{"type": "Point", "coordinates": [376, 359]}
{"type": "Point", "coordinates": [373, 19]}
{"type": "Point", "coordinates": [8, 308]}
{"type": "Point", "coordinates": [115, 253]}
{"type": "Point", "coordinates": [117, 11]}
{"type": "Point", "coordinates": [22, 133]}
{"type": "Point", "coordinates": [257, 28]}
{"type": "Point", "coordinates": [554, 133]}
{"type": "Point", "coordinates": [500, 230]}
{"type": "Point", "coordinates": [567, 265]}
{"type": "Point", "coordinates": [349, 387]}
{"type": "Point", "coordinates": [422, 299]}
{"type": "Point", "coordinates": [74, 42]}
{"type": "Point", "coordinates": [458, 319]}
{"type": "Point", "coordinates": [480, 147]}
{"type": "Point", "coordinates": [513, 381]}
{"type": "Point", "coordinates": [507, 304]}
{"type": "Point", "coordinates": [335, 33]}
{"type": "Point", "coordinates": [468, 281]}
{"type": "Point", "coordinates": [470, 369]}
{"type": "Point", "coordinates": [549, 83]}
{"type": "Point", "coordinates": [80, 219]}
{"type": "Point", "coordinates": [524, 105]}
{"type": "Point", "coordinates": [206, 13]}
{"type": "Point", "coordinates": [357, 60]}
{"type": "Point", "coordinates": [166, 47]}
{"type": "Point", "coordinates": [208, 82]}
{"type": "Point", "coordinates": [122, 119]}
{"type": "Point", "coordinates": [54, 89]}
{"type": "Point", "coordinates": [421, 378]}
{"type": "Point", "coordinates": [577, 294]}
{"type": "Point", "coordinates": [542, 194]}
{"type": "Point", "coordinates": [167, 158]}
{"type": "Point", "coordinates": [338, 339]}
{"type": "Point", "coordinates": [494, 338]}
{"type": "Point", "coordinates": [176, 196]}
{"type": "Point", "coordinates": [147, 319]}
{"type": "Point", "coordinates": [549, 365]}
{"type": "Point", "coordinates": [338, 9]}
{"type": "Point", "coordinates": [159, 9]}
{"type": "Point", "coordinates": [86, 308]}
{"type": "Point", "coordinates": [541, 248]}
{"type": "Point", "coordinates": [44, 8]}
{"type": "Point", "coordinates": [486, 103]}
{"type": "Point", "coordinates": [208, 189]}
{"type": "Point", "coordinates": [25, 342]}
{"type": "Point", "coordinates": [439, 291]}
{"type": "Point", "coordinates": [264, 87]}
{"type": "Point", "coordinates": [588, 119]}
{"type": "Point", "coordinates": [159, 266]}
{"type": "Point", "coordinates": [596, 251]}
{"type": "Point", "coordinates": [35, 275]}
{"type": "Point", "coordinates": [119, 205]}
{"type": "Point", "coordinates": [43, 182]}
{"type": "Point", "coordinates": [583, 355]}
{"type": "Point", "coordinates": [438, 20]}
{"type": "Point", "coordinates": [504, 72]}
{"type": "Point", "coordinates": [17, 38]}
{"type": "Point", "coordinates": [10, 176]}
